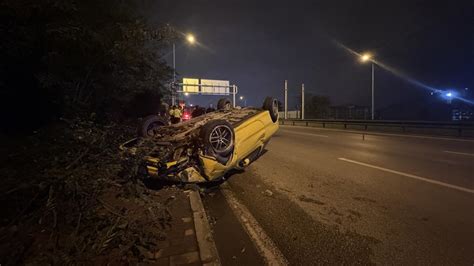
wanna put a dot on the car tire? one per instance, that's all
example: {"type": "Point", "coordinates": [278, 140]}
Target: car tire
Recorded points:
{"type": "Point", "coordinates": [218, 136]}
{"type": "Point", "coordinates": [271, 105]}
{"type": "Point", "coordinates": [224, 104]}
{"type": "Point", "coordinates": [148, 125]}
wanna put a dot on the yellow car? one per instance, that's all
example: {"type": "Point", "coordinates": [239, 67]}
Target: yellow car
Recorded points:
{"type": "Point", "coordinates": [205, 148]}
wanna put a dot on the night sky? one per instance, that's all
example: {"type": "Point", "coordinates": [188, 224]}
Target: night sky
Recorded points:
{"type": "Point", "coordinates": [259, 44]}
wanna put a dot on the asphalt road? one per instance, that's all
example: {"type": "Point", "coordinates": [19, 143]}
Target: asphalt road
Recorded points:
{"type": "Point", "coordinates": [341, 198]}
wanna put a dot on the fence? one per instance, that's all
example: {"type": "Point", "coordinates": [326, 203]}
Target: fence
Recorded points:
{"type": "Point", "coordinates": [457, 129]}
{"type": "Point", "coordinates": [291, 114]}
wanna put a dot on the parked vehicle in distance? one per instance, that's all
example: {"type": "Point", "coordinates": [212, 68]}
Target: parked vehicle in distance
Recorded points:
{"type": "Point", "coordinates": [186, 114]}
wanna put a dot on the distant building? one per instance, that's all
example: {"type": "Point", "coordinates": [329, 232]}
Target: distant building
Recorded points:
{"type": "Point", "coordinates": [462, 111]}
{"type": "Point", "coordinates": [462, 114]}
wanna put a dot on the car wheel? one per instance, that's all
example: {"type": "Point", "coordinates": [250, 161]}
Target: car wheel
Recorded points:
{"type": "Point", "coordinates": [149, 125]}
{"type": "Point", "coordinates": [218, 136]}
{"type": "Point", "coordinates": [224, 104]}
{"type": "Point", "coordinates": [271, 105]}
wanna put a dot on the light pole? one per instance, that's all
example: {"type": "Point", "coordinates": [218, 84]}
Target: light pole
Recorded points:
{"type": "Point", "coordinates": [302, 101]}
{"type": "Point", "coordinates": [191, 40]}
{"type": "Point", "coordinates": [242, 98]}
{"type": "Point", "coordinates": [286, 99]}
{"type": "Point", "coordinates": [365, 58]}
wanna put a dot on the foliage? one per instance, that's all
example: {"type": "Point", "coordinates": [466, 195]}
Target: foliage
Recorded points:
{"type": "Point", "coordinates": [78, 202]}
{"type": "Point", "coordinates": [317, 106]}
{"type": "Point", "coordinates": [80, 56]}
{"type": "Point", "coordinates": [68, 196]}
{"type": "Point", "coordinates": [281, 107]}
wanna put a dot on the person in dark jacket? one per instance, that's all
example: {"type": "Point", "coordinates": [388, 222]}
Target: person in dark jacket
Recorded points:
{"type": "Point", "coordinates": [198, 111]}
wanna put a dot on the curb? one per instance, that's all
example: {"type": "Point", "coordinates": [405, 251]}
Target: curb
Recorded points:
{"type": "Point", "coordinates": [207, 246]}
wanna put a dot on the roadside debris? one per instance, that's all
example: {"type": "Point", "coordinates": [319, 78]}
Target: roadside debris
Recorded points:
{"type": "Point", "coordinates": [268, 193]}
{"type": "Point", "coordinates": [310, 200]}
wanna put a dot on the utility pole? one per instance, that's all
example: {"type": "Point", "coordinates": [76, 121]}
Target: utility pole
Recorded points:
{"type": "Point", "coordinates": [373, 89]}
{"type": "Point", "coordinates": [174, 77]}
{"type": "Point", "coordinates": [286, 99]}
{"type": "Point", "coordinates": [302, 101]}
{"type": "Point", "coordinates": [233, 95]}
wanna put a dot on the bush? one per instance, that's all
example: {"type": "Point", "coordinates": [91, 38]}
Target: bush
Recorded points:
{"type": "Point", "coordinates": [69, 58]}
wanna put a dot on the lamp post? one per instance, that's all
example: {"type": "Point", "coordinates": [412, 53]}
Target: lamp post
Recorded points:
{"type": "Point", "coordinates": [302, 101]}
{"type": "Point", "coordinates": [242, 98]}
{"type": "Point", "coordinates": [365, 58]}
{"type": "Point", "coordinates": [191, 40]}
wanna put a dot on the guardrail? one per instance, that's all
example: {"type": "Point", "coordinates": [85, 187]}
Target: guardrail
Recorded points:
{"type": "Point", "coordinates": [458, 129]}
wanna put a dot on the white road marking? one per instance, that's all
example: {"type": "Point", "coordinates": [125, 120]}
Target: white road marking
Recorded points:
{"type": "Point", "coordinates": [263, 243]}
{"type": "Point", "coordinates": [411, 176]}
{"type": "Point", "coordinates": [460, 153]}
{"type": "Point", "coordinates": [375, 133]}
{"type": "Point", "coordinates": [305, 134]}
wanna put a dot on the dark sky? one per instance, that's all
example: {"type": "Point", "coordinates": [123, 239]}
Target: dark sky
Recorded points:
{"type": "Point", "coordinates": [259, 44]}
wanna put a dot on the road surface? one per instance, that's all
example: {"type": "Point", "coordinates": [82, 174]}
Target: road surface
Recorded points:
{"type": "Point", "coordinates": [333, 197]}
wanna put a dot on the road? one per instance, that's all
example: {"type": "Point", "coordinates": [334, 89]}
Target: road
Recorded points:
{"type": "Point", "coordinates": [333, 197]}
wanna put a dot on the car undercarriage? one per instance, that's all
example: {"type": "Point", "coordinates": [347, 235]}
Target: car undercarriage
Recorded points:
{"type": "Point", "coordinates": [198, 150]}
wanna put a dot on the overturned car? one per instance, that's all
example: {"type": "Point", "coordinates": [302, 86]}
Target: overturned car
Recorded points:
{"type": "Point", "coordinates": [205, 148]}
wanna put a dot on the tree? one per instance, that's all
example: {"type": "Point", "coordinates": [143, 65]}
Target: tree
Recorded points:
{"type": "Point", "coordinates": [281, 107]}
{"type": "Point", "coordinates": [69, 57]}
{"type": "Point", "coordinates": [317, 106]}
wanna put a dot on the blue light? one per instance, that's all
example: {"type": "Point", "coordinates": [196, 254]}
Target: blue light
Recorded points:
{"type": "Point", "coordinates": [449, 94]}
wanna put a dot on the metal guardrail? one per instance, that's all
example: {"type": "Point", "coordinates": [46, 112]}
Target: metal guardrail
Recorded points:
{"type": "Point", "coordinates": [460, 129]}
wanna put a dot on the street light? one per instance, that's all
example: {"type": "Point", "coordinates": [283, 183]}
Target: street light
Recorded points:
{"type": "Point", "coordinates": [191, 40]}
{"type": "Point", "coordinates": [450, 95]}
{"type": "Point", "coordinates": [366, 58]}
{"type": "Point", "coordinates": [242, 98]}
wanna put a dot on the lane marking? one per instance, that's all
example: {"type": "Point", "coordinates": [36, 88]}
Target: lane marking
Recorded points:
{"type": "Point", "coordinates": [460, 153]}
{"type": "Point", "coordinates": [265, 246]}
{"type": "Point", "coordinates": [374, 133]}
{"type": "Point", "coordinates": [439, 183]}
{"type": "Point", "coordinates": [305, 134]}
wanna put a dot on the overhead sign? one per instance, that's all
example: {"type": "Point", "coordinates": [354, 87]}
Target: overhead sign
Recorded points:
{"type": "Point", "coordinates": [190, 85]}
{"type": "Point", "coordinates": [206, 86]}
{"type": "Point", "coordinates": [212, 86]}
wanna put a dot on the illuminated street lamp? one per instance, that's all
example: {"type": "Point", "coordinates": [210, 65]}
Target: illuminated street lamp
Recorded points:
{"type": "Point", "coordinates": [449, 96]}
{"type": "Point", "coordinates": [191, 40]}
{"type": "Point", "coordinates": [366, 58]}
{"type": "Point", "coordinates": [242, 98]}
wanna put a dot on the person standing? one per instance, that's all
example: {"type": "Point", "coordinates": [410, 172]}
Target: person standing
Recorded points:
{"type": "Point", "coordinates": [198, 111]}
{"type": "Point", "coordinates": [175, 115]}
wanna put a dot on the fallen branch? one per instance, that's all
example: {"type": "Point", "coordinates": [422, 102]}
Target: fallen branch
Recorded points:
{"type": "Point", "coordinates": [77, 159]}
{"type": "Point", "coordinates": [110, 209]}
